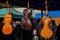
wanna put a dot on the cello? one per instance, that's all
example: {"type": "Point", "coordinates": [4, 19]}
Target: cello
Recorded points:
{"type": "Point", "coordinates": [26, 23]}
{"type": "Point", "coordinates": [7, 28]}
{"type": "Point", "coordinates": [46, 32]}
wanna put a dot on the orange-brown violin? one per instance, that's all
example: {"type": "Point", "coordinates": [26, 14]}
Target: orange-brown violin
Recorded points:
{"type": "Point", "coordinates": [46, 31]}
{"type": "Point", "coordinates": [7, 28]}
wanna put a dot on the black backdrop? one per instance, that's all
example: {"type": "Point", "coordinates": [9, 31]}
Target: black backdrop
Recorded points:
{"type": "Point", "coordinates": [36, 4]}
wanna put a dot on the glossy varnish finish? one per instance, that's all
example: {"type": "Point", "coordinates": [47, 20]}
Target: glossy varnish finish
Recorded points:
{"type": "Point", "coordinates": [7, 28]}
{"type": "Point", "coordinates": [26, 23]}
{"type": "Point", "coordinates": [46, 32]}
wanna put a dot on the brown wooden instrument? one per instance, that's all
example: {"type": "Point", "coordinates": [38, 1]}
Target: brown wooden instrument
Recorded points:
{"type": "Point", "coordinates": [46, 32]}
{"type": "Point", "coordinates": [7, 28]}
{"type": "Point", "coordinates": [26, 23]}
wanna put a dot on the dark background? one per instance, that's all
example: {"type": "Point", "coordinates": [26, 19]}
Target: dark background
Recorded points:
{"type": "Point", "coordinates": [36, 4]}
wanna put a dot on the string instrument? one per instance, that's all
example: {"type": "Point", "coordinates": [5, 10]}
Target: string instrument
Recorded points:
{"type": "Point", "coordinates": [46, 32]}
{"type": "Point", "coordinates": [26, 23]}
{"type": "Point", "coordinates": [7, 28]}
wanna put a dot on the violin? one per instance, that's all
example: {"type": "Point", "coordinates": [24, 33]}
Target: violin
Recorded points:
{"type": "Point", "coordinates": [7, 28]}
{"type": "Point", "coordinates": [46, 31]}
{"type": "Point", "coordinates": [26, 23]}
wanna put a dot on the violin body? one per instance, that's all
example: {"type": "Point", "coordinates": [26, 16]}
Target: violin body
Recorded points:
{"type": "Point", "coordinates": [26, 24]}
{"type": "Point", "coordinates": [7, 28]}
{"type": "Point", "coordinates": [46, 32]}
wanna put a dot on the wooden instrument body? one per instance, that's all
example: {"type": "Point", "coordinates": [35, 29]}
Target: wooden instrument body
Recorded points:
{"type": "Point", "coordinates": [7, 28]}
{"type": "Point", "coordinates": [26, 23]}
{"type": "Point", "coordinates": [46, 32]}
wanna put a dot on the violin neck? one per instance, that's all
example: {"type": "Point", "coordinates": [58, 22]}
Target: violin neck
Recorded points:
{"type": "Point", "coordinates": [26, 17]}
{"type": "Point", "coordinates": [46, 6]}
{"type": "Point", "coordinates": [7, 4]}
{"type": "Point", "coordinates": [8, 10]}
{"type": "Point", "coordinates": [46, 11]}
{"type": "Point", "coordinates": [28, 5]}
